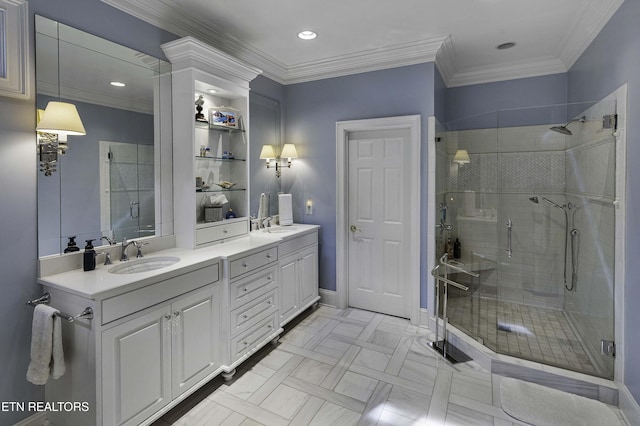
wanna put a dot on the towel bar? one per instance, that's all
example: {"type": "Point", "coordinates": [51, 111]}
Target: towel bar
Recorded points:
{"type": "Point", "coordinates": [46, 298]}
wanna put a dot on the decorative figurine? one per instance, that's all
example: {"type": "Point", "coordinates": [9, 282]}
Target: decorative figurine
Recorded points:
{"type": "Point", "coordinates": [199, 115]}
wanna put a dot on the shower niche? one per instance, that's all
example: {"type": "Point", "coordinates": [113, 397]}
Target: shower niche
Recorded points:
{"type": "Point", "coordinates": [546, 268]}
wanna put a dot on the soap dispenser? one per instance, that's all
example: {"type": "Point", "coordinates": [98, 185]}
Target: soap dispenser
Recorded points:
{"type": "Point", "coordinates": [71, 245]}
{"type": "Point", "coordinates": [89, 259]}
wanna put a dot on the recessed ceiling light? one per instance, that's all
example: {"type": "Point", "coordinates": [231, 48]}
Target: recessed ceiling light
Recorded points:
{"type": "Point", "coordinates": [307, 35]}
{"type": "Point", "coordinates": [212, 91]}
{"type": "Point", "coordinates": [117, 84]}
{"type": "Point", "coordinates": [505, 46]}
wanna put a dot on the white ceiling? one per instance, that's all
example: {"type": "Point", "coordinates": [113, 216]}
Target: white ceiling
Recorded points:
{"type": "Point", "coordinates": [363, 35]}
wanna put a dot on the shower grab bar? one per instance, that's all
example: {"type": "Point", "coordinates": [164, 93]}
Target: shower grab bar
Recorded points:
{"type": "Point", "coordinates": [46, 298]}
{"type": "Point", "coordinates": [509, 228]}
{"type": "Point", "coordinates": [445, 279]}
{"type": "Point", "coordinates": [444, 261]}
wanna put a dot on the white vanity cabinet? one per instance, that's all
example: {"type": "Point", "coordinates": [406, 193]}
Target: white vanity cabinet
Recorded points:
{"type": "Point", "coordinates": [208, 155]}
{"type": "Point", "coordinates": [154, 357]}
{"type": "Point", "coordinates": [146, 347]}
{"type": "Point", "coordinates": [298, 275]}
{"type": "Point", "coordinates": [253, 309]}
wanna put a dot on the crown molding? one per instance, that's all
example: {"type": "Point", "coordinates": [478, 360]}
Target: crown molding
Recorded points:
{"type": "Point", "coordinates": [585, 29]}
{"type": "Point", "coordinates": [189, 52]}
{"type": "Point", "coordinates": [490, 74]}
{"type": "Point", "coordinates": [370, 60]}
{"type": "Point", "coordinates": [445, 61]}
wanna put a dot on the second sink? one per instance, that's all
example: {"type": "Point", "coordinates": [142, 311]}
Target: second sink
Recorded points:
{"type": "Point", "coordinates": [143, 265]}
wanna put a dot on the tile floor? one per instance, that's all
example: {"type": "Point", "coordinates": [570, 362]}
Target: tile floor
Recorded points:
{"type": "Point", "coordinates": [529, 332]}
{"type": "Point", "coordinates": [348, 367]}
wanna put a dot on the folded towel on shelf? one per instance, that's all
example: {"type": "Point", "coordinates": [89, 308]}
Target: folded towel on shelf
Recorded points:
{"type": "Point", "coordinates": [285, 210]}
{"type": "Point", "coordinates": [47, 355]}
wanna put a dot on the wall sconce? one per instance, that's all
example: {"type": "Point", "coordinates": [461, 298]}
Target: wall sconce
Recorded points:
{"type": "Point", "coordinates": [462, 157]}
{"type": "Point", "coordinates": [268, 153]}
{"type": "Point", "coordinates": [54, 124]}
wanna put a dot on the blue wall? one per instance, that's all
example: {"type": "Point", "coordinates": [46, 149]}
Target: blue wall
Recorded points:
{"type": "Point", "coordinates": [312, 112]}
{"type": "Point", "coordinates": [475, 106]}
{"type": "Point", "coordinates": [610, 61]}
{"type": "Point", "coordinates": [18, 172]}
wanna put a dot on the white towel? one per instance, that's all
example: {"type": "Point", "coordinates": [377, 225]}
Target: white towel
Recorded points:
{"type": "Point", "coordinates": [46, 346]}
{"type": "Point", "coordinates": [285, 209]}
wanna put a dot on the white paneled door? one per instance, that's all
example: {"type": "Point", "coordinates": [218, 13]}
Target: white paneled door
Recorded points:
{"type": "Point", "coordinates": [378, 220]}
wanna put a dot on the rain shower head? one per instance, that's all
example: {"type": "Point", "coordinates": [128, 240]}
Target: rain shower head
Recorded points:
{"type": "Point", "coordinates": [534, 199]}
{"type": "Point", "coordinates": [563, 129]}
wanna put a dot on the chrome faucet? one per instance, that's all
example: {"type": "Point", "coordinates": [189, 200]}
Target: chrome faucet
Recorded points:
{"type": "Point", "coordinates": [108, 240]}
{"type": "Point", "coordinates": [139, 247]}
{"type": "Point", "coordinates": [125, 245]}
{"type": "Point", "coordinates": [266, 223]}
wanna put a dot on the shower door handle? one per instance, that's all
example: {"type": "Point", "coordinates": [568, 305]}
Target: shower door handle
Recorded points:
{"type": "Point", "coordinates": [509, 228]}
{"type": "Point", "coordinates": [134, 205]}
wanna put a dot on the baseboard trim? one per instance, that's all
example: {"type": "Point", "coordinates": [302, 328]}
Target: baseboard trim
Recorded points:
{"type": "Point", "coordinates": [38, 419]}
{"type": "Point", "coordinates": [628, 405]}
{"type": "Point", "coordinates": [328, 297]}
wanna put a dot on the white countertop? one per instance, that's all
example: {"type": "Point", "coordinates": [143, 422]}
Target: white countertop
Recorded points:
{"type": "Point", "coordinates": [100, 283]}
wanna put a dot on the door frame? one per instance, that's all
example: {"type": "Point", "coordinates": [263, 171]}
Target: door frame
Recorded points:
{"type": "Point", "coordinates": [343, 128]}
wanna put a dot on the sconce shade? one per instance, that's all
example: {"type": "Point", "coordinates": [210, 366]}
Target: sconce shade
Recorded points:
{"type": "Point", "coordinates": [462, 157]}
{"type": "Point", "coordinates": [61, 118]}
{"type": "Point", "coordinates": [267, 152]}
{"type": "Point", "coordinates": [289, 151]}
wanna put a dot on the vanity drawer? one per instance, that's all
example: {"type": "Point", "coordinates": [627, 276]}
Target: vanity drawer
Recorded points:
{"type": "Point", "coordinates": [209, 234]}
{"type": "Point", "coordinates": [253, 337]}
{"type": "Point", "coordinates": [248, 288]}
{"type": "Point", "coordinates": [298, 243]}
{"type": "Point", "coordinates": [137, 300]}
{"type": "Point", "coordinates": [254, 311]}
{"type": "Point", "coordinates": [253, 261]}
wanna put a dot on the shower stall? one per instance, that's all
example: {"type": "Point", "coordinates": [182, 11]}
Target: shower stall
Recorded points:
{"type": "Point", "coordinates": [530, 195]}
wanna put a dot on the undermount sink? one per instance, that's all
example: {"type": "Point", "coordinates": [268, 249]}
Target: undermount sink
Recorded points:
{"type": "Point", "coordinates": [145, 264]}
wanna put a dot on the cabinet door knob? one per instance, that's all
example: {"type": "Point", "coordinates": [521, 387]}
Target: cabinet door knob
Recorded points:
{"type": "Point", "coordinates": [177, 314]}
{"type": "Point", "coordinates": [269, 302]}
{"type": "Point", "coordinates": [270, 326]}
{"type": "Point", "coordinates": [269, 278]}
{"type": "Point", "coordinates": [245, 343]}
{"type": "Point", "coordinates": [167, 317]}
{"type": "Point", "coordinates": [268, 256]}
{"type": "Point", "coordinates": [224, 231]}
{"type": "Point", "coordinates": [245, 289]}
{"type": "Point", "coordinates": [244, 265]}
{"type": "Point", "coordinates": [245, 316]}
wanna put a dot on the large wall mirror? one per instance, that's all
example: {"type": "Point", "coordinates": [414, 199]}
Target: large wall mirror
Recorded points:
{"type": "Point", "coordinates": [266, 124]}
{"type": "Point", "coordinates": [115, 181]}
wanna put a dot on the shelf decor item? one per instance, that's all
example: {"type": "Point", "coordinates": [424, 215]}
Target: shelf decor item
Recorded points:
{"type": "Point", "coordinates": [224, 116]}
{"type": "Point", "coordinates": [199, 115]}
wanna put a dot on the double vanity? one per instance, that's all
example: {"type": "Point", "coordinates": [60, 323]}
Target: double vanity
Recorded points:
{"type": "Point", "coordinates": [166, 324]}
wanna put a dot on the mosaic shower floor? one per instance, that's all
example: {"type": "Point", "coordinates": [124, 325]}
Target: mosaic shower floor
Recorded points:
{"type": "Point", "coordinates": [529, 332]}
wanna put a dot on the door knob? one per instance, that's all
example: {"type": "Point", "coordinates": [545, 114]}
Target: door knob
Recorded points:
{"type": "Point", "coordinates": [354, 228]}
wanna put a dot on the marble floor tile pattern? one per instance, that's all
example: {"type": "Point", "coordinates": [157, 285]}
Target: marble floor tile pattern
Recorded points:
{"type": "Point", "coordinates": [348, 367]}
{"type": "Point", "coordinates": [533, 333]}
